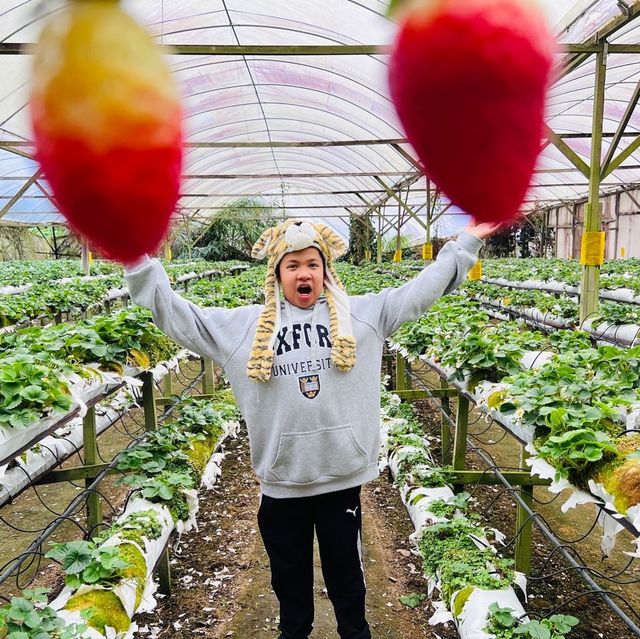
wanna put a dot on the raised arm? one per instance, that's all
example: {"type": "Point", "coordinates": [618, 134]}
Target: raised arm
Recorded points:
{"type": "Point", "coordinates": [394, 306]}
{"type": "Point", "coordinates": [210, 332]}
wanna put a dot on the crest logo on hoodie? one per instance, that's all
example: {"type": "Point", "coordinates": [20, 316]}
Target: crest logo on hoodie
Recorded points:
{"type": "Point", "coordinates": [309, 385]}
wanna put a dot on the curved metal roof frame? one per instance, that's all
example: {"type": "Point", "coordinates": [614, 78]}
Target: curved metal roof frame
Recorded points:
{"type": "Point", "coordinates": [270, 109]}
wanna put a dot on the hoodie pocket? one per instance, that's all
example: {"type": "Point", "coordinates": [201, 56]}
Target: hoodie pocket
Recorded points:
{"type": "Point", "coordinates": [304, 458]}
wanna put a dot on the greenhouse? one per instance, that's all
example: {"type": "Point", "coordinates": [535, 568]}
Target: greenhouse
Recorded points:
{"type": "Point", "coordinates": [320, 320]}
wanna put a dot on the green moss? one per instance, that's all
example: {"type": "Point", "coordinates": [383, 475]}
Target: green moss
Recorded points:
{"type": "Point", "coordinates": [460, 600]}
{"type": "Point", "coordinates": [179, 508]}
{"type": "Point", "coordinates": [621, 476]}
{"type": "Point", "coordinates": [623, 482]}
{"type": "Point", "coordinates": [131, 534]}
{"type": "Point", "coordinates": [200, 453]}
{"type": "Point", "coordinates": [106, 609]}
{"type": "Point", "coordinates": [137, 569]}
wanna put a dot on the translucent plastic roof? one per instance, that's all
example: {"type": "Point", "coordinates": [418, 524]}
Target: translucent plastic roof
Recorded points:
{"type": "Point", "coordinates": [293, 102]}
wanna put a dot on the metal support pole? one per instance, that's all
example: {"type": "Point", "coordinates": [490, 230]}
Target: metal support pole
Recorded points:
{"type": "Point", "coordinates": [379, 240]}
{"type": "Point", "coordinates": [398, 236]}
{"type": "Point", "coordinates": [445, 432]}
{"type": "Point", "coordinates": [590, 285]}
{"type": "Point", "coordinates": [524, 525]}
{"type": "Point", "coordinates": [428, 220]}
{"type": "Point", "coordinates": [86, 264]}
{"type": "Point", "coordinates": [90, 442]}
{"type": "Point", "coordinates": [209, 378]}
{"type": "Point", "coordinates": [460, 437]}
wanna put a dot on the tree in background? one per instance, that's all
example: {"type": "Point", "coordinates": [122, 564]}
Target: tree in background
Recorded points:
{"type": "Point", "coordinates": [361, 238]}
{"type": "Point", "coordinates": [530, 236]}
{"type": "Point", "coordinates": [534, 238]}
{"type": "Point", "coordinates": [502, 243]}
{"type": "Point", "coordinates": [390, 242]}
{"type": "Point", "coordinates": [229, 235]}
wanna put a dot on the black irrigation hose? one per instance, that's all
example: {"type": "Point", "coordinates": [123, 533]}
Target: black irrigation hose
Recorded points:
{"type": "Point", "coordinates": [582, 570]}
{"type": "Point", "coordinates": [495, 469]}
{"type": "Point", "coordinates": [14, 567]}
{"type": "Point", "coordinates": [563, 548]}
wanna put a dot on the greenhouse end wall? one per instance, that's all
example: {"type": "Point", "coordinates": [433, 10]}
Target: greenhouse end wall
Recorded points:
{"type": "Point", "coordinates": [620, 219]}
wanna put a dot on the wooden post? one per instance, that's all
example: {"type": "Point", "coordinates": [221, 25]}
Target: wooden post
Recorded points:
{"type": "Point", "coordinates": [150, 424]}
{"type": "Point", "coordinates": [164, 573]}
{"type": "Point", "coordinates": [590, 283]}
{"type": "Point", "coordinates": [445, 427]}
{"type": "Point", "coordinates": [148, 402]}
{"type": "Point", "coordinates": [460, 437]}
{"type": "Point", "coordinates": [525, 528]}
{"type": "Point", "coordinates": [209, 379]}
{"type": "Point", "coordinates": [86, 261]}
{"type": "Point", "coordinates": [401, 373]}
{"type": "Point", "coordinates": [90, 442]}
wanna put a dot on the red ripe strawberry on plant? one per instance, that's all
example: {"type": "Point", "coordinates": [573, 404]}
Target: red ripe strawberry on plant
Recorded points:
{"type": "Point", "coordinates": [468, 79]}
{"type": "Point", "coordinates": [107, 127]}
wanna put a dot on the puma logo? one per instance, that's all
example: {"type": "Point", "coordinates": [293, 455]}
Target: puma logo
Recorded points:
{"type": "Point", "coordinates": [352, 510]}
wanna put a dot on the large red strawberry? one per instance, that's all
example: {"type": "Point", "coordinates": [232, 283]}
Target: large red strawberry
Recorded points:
{"type": "Point", "coordinates": [468, 79]}
{"type": "Point", "coordinates": [107, 126]}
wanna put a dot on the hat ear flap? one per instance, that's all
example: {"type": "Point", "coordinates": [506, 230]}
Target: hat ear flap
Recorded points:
{"type": "Point", "coordinates": [262, 354]}
{"type": "Point", "coordinates": [261, 246]}
{"type": "Point", "coordinates": [333, 241]}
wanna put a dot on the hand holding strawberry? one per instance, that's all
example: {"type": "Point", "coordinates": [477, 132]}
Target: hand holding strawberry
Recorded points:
{"type": "Point", "coordinates": [468, 79]}
{"type": "Point", "coordinates": [107, 127]}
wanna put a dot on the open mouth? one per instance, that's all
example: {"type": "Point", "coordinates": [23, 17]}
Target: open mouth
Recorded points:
{"type": "Point", "coordinates": [304, 290]}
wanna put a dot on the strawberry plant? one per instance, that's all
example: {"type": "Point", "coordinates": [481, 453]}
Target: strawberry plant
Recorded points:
{"type": "Point", "coordinates": [502, 624]}
{"type": "Point", "coordinates": [27, 617]}
{"type": "Point", "coordinates": [138, 526]}
{"type": "Point", "coordinates": [171, 460]}
{"type": "Point", "coordinates": [30, 390]}
{"type": "Point", "coordinates": [85, 562]}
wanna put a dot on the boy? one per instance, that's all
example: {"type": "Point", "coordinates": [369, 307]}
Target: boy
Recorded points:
{"type": "Point", "coordinates": [306, 374]}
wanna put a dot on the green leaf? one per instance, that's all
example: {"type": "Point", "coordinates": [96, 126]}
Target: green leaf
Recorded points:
{"type": "Point", "coordinates": [23, 418]}
{"type": "Point", "coordinates": [412, 600]}
{"type": "Point", "coordinates": [34, 393]}
{"type": "Point", "coordinates": [74, 556]}
{"type": "Point", "coordinates": [20, 609]}
{"type": "Point", "coordinates": [535, 630]}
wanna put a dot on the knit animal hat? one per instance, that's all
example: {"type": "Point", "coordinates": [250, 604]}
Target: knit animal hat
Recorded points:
{"type": "Point", "coordinates": [274, 244]}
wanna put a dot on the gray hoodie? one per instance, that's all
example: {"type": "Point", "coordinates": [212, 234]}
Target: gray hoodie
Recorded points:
{"type": "Point", "coordinates": [312, 428]}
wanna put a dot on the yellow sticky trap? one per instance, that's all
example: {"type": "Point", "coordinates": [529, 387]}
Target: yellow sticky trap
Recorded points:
{"type": "Point", "coordinates": [623, 252]}
{"type": "Point", "coordinates": [476, 272]}
{"type": "Point", "coordinates": [592, 248]}
{"type": "Point", "coordinates": [427, 251]}
{"type": "Point", "coordinates": [90, 256]}
{"type": "Point", "coordinates": [397, 256]}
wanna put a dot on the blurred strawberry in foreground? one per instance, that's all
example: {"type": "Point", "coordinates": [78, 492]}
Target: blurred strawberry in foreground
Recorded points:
{"type": "Point", "coordinates": [468, 79]}
{"type": "Point", "coordinates": [107, 127]}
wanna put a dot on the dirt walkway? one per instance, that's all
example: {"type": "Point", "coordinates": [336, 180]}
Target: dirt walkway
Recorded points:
{"type": "Point", "coordinates": [221, 573]}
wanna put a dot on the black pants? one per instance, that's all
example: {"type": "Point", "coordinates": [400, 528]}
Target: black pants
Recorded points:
{"type": "Point", "coordinates": [287, 526]}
